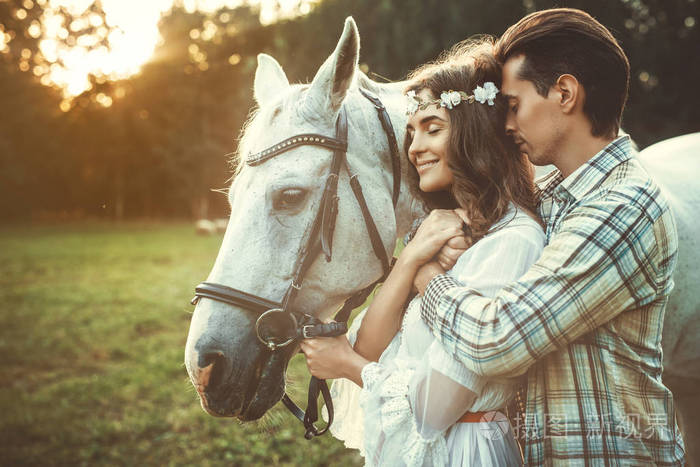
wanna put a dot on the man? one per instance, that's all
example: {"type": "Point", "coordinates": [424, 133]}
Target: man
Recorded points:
{"type": "Point", "coordinates": [584, 323]}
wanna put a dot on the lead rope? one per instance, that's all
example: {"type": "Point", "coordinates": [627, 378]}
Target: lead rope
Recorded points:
{"type": "Point", "coordinates": [316, 386]}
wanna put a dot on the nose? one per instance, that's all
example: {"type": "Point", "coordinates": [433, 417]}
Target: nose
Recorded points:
{"type": "Point", "coordinates": [209, 370]}
{"type": "Point", "coordinates": [510, 124]}
{"type": "Point", "coordinates": [415, 148]}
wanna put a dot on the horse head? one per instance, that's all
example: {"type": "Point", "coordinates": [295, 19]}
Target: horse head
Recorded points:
{"type": "Point", "coordinates": [273, 207]}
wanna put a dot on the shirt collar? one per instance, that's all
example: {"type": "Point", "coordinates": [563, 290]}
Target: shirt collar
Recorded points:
{"type": "Point", "coordinates": [590, 174]}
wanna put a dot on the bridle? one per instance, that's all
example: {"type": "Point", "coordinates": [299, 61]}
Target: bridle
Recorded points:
{"type": "Point", "coordinates": [319, 239]}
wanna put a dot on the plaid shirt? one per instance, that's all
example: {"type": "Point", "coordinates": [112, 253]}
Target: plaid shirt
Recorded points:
{"type": "Point", "coordinates": [584, 323]}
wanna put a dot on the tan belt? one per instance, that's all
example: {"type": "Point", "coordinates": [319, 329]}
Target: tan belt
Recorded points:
{"type": "Point", "coordinates": [472, 417]}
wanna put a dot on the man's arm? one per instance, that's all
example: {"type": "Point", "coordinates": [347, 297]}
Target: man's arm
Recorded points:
{"type": "Point", "coordinates": [605, 259]}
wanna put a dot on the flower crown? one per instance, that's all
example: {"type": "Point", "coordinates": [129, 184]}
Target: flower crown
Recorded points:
{"type": "Point", "coordinates": [449, 99]}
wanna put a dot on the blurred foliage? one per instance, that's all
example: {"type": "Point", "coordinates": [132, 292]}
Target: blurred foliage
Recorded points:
{"type": "Point", "coordinates": [160, 147]}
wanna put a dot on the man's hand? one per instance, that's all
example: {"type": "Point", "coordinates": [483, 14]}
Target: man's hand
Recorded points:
{"type": "Point", "coordinates": [449, 254]}
{"type": "Point", "coordinates": [425, 274]}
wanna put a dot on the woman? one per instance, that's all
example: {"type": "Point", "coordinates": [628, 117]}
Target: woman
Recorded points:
{"type": "Point", "coordinates": [421, 406]}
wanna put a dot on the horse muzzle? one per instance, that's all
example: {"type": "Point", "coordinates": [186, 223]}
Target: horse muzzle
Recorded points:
{"type": "Point", "coordinates": [257, 388]}
{"type": "Point", "coordinates": [234, 374]}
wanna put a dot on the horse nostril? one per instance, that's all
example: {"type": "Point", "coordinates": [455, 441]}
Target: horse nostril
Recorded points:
{"type": "Point", "coordinates": [211, 369]}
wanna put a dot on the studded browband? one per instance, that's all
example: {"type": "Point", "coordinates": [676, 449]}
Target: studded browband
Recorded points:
{"type": "Point", "coordinates": [308, 139]}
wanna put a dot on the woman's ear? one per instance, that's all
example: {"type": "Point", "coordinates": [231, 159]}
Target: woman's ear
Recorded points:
{"type": "Point", "coordinates": [570, 92]}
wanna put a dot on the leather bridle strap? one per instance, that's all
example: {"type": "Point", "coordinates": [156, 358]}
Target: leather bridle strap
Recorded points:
{"type": "Point", "coordinates": [310, 416]}
{"type": "Point", "coordinates": [231, 296]}
{"type": "Point", "coordinates": [375, 238]}
{"type": "Point", "coordinates": [306, 139]}
{"type": "Point", "coordinates": [321, 234]}
{"type": "Point", "coordinates": [388, 128]}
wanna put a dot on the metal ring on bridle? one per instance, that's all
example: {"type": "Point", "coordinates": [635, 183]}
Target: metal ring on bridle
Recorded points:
{"type": "Point", "coordinates": [269, 343]}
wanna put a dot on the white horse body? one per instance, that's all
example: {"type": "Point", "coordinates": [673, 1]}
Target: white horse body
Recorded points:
{"type": "Point", "coordinates": [675, 166]}
{"type": "Point", "coordinates": [261, 243]}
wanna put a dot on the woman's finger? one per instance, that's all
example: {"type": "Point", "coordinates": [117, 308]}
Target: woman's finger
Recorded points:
{"type": "Point", "coordinates": [459, 243]}
{"type": "Point", "coordinates": [454, 232]}
{"type": "Point", "coordinates": [307, 346]}
{"type": "Point", "coordinates": [463, 215]}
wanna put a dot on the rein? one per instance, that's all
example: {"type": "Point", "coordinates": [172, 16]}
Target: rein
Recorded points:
{"type": "Point", "coordinates": [320, 239]}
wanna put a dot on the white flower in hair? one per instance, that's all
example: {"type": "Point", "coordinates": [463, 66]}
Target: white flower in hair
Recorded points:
{"type": "Point", "coordinates": [487, 93]}
{"type": "Point", "coordinates": [445, 100]}
{"type": "Point", "coordinates": [450, 98]}
{"type": "Point", "coordinates": [412, 102]}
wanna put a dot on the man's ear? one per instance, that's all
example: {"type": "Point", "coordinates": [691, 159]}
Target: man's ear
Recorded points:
{"type": "Point", "coordinates": [570, 93]}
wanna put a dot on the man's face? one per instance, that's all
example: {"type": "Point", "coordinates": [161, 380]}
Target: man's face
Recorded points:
{"type": "Point", "coordinates": [534, 122]}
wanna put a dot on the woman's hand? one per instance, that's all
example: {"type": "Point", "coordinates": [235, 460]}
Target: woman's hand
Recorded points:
{"type": "Point", "coordinates": [439, 227]}
{"type": "Point", "coordinates": [332, 357]}
{"type": "Point", "coordinates": [449, 254]}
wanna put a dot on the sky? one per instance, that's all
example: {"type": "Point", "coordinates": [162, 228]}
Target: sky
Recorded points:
{"type": "Point", "coordinates": [129, 29]}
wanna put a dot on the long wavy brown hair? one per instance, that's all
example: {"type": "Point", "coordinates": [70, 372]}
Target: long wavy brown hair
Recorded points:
{"type": "Point", "coordinates": [488, 170]}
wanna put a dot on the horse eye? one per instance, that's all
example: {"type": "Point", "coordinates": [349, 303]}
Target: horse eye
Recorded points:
{"type": "Point", "coordinates": [289, 198]}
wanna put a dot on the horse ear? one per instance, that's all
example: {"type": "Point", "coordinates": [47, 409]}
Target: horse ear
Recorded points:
{"type": "Point", "coordinates": [365, 82]}
{"type": "Point", "coordinates": [269, 79]}
{"type": "Point", "coordinates": [330, 85]}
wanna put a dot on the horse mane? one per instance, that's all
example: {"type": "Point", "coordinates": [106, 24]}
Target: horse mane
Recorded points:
{"type": "Point", "coordinates": [262, 117]}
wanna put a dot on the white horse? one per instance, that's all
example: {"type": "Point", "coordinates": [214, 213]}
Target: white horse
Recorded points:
{"type": "Point", "coordinates": [274, 203]}
{"type": "Point", "coordinates": [272, 207]}
{"type": "Point", "coordinates": [675, 166]}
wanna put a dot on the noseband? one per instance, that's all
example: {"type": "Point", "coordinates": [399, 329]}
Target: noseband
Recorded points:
{"type": "Point", "coordinates": [320, 239]}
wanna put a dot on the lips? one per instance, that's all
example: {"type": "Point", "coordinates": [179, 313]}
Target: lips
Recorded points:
{"type": "Point", "coordinates": [520, 144]}
{"type": "Point", "coordinates": [426, 165]}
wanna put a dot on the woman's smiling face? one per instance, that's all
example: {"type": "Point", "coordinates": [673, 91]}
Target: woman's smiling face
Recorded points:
{"type": "Point", "coordinates": [429, 133]}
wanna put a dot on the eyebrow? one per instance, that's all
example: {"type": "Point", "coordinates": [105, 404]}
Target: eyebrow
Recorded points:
{"type": "Point", "coordinates": [509, 96]}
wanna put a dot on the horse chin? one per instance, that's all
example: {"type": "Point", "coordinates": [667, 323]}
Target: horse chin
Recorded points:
{"type": "Point", "coordinates": [268, 388]}
{"type": "Point", "coordinates": [260, 404]}
{"type": "Point", "coordinates": [264, 389]}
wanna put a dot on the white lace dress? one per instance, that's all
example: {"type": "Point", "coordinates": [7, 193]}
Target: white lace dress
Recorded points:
{"type": "Point", "coordinates": [405, 413]}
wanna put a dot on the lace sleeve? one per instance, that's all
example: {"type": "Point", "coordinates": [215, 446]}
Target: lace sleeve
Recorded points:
{"type": "Point", "coordinates": [349, 418]}
{"type": "Point", "coordinates": [441, 391]}
{"type": "Point", "coordinates": [392, 432]}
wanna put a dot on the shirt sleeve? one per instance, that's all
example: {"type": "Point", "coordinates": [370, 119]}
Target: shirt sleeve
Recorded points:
{"type": "Point", "coordinates": [603, 260]}
{"type": "Point", "coordinates": [443, 388]}
{"type": "Point", "coordinates": [349, 417]}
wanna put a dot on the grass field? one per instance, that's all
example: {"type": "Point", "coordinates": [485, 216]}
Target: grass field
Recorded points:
{"type": "Point", "coordinates": [93, 326]}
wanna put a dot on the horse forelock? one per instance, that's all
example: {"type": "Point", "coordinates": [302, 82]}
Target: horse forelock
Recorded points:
{"type": "Point", "coordinates": [291, 105]}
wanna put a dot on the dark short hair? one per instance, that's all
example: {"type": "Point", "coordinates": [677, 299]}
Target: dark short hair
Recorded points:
{"type": "Point", "coordinates": [488, 170]}
{"type": "Point", "coordinates": [570, 41]}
